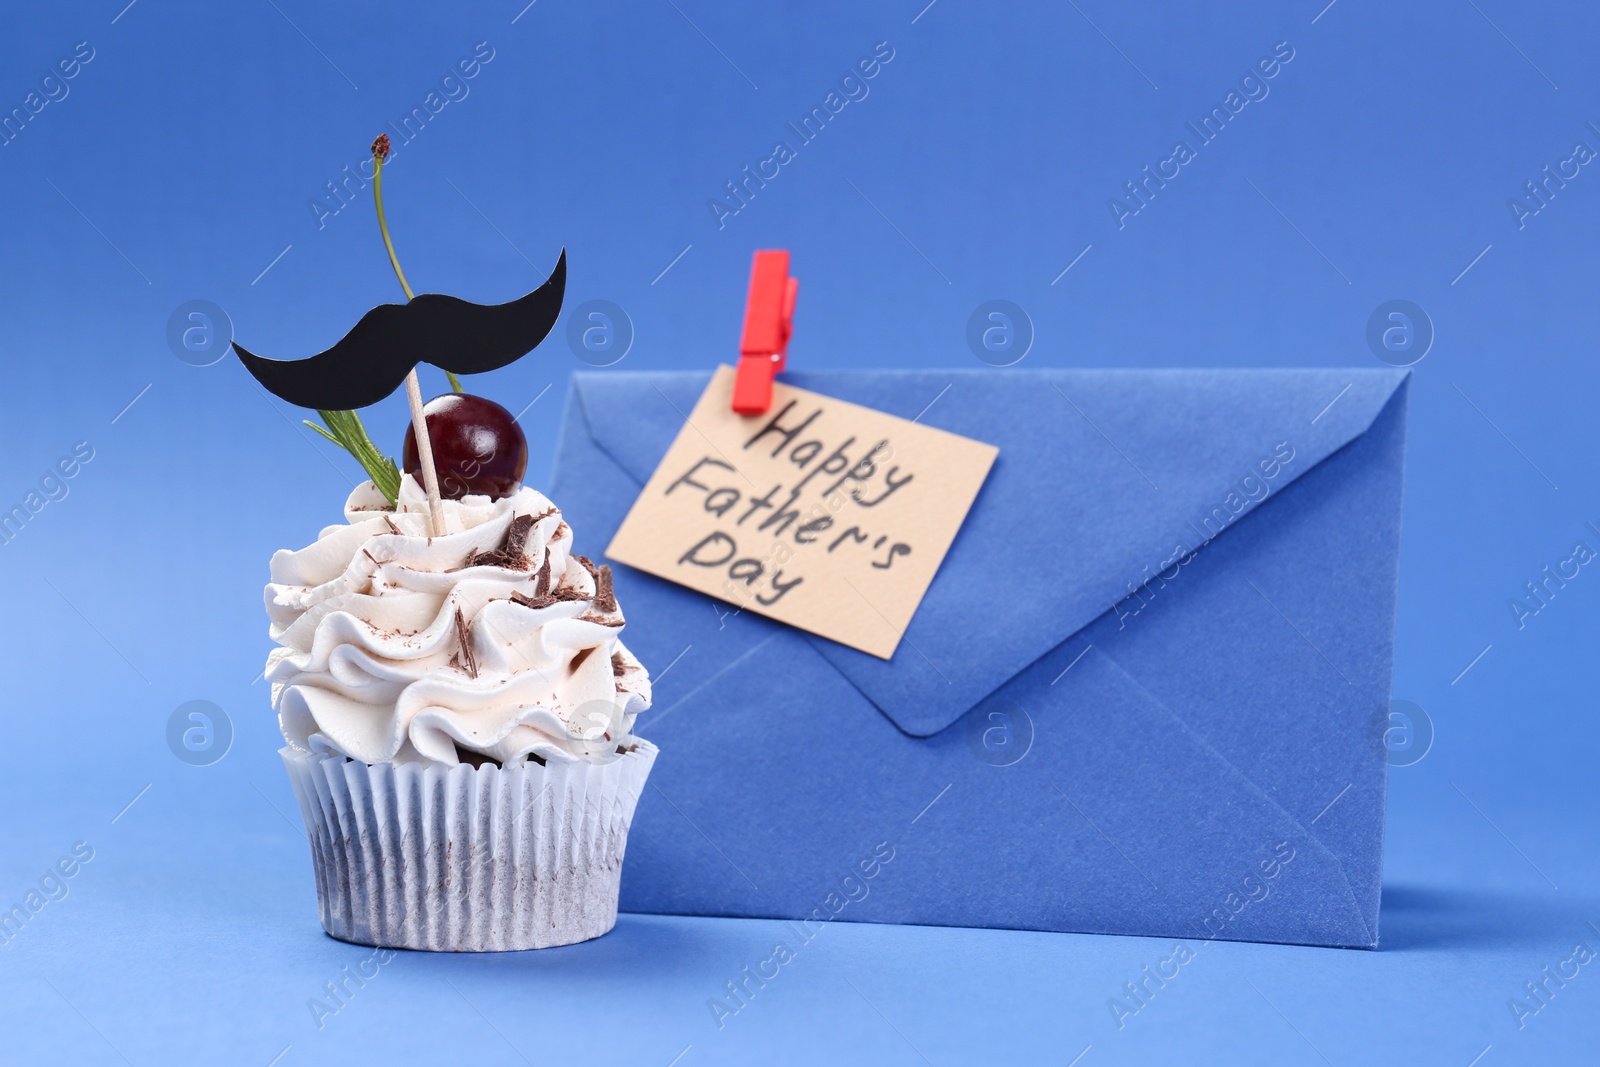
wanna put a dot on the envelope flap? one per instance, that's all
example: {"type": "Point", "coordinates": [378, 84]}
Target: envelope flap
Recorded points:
{"type": "Point", "coordinates": [1104, 479]}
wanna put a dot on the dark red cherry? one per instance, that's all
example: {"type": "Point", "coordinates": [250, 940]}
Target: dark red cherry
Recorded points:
{"type": "Point", "coordinates": [477, 447]}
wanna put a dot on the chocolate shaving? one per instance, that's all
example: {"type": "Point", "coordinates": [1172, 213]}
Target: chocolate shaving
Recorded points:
{"type": "Point", "coordinates": [580, 658]}
{"type": "Point", "coordinates": [469, 662]}
{"type": "Point", "coordinates": [558, 596]}
{"type": "Point", "coordinates": [534, 602]}
{"type": "Point", "coordinates": [605, 598]}
{"type": "Point", "coordinates": [511, 553]}
{"type": "Point", "coordinates": [517, 536]}
{"type": "Point", "coordinates": [619, 666]}
{"type": "Point", "coordinates": [392, 527]}
{"type": "Point", "coordinates": [602, 620]}
{"type": "Point", "coordinates": [588, 566]}
{"type": "Point", "coordinates": [541, 584]}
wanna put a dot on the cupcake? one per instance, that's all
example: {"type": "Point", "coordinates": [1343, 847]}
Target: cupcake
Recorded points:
{"type": "Point", "coordinates": [459, 714]}
{"type": "Point", "coordinates": [450, 676]}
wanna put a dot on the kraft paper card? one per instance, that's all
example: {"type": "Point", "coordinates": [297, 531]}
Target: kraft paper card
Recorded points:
{"type": "Point", "coordinates": [823, 514]}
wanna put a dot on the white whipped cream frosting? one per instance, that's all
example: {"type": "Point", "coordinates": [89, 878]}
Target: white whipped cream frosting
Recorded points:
{"type": "Point", "coordinates": [373, 616]}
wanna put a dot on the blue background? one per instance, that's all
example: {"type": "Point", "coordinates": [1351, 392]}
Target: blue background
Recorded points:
{"type": "Point", "coordinates": [180, 165]}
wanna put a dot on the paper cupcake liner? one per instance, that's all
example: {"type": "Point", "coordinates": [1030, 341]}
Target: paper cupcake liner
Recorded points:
{"type": "Point", "coordinates": [464, 859]}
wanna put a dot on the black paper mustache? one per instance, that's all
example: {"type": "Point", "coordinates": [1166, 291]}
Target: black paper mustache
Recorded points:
{"type": "Point", "coordinates": [373, 359]}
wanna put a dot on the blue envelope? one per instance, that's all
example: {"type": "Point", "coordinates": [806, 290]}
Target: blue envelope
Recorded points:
{"type": "Point", "coordinates": [1147, 692]}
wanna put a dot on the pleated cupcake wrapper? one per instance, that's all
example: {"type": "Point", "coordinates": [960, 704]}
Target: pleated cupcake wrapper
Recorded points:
{"type": "Point", "coordinates": [464, 859]}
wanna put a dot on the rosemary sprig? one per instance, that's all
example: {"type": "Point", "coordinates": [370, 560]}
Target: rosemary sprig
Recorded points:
{"type": "Point", "coordinates": [345, 430]}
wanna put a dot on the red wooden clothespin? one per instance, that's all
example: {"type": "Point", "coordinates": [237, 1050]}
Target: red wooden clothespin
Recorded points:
{"type": "Point", "coordinates": [768, 321]}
